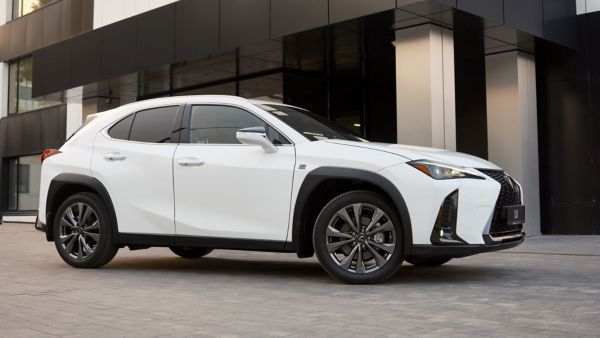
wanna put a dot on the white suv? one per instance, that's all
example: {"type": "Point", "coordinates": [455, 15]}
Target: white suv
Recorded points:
{"type": "Point", "coordinates": [200, 173]}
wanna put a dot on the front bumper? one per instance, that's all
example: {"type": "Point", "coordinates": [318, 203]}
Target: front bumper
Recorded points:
{"type": "Point", "coordinates": [457, 251]}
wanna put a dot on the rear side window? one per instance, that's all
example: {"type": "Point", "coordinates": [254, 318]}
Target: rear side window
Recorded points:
{"type": "Point", "coordinates": [219, 124]}
{"type": "Point", "coordinates": [121, 129]}
{"type": "Point", "coordinates": [154, 125]}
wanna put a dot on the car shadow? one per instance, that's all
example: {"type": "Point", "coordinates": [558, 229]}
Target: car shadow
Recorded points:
{"type": "Point", "coordinates": [306, 270]}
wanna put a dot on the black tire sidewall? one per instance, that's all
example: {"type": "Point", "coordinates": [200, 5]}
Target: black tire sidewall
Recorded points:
{"type": "Point", "coordinates": [105, 249]}
{"type": "Point", "coordinates": [319, 234]}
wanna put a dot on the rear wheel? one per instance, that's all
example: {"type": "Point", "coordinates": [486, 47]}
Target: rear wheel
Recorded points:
{"type": "Point", "coordinates": [83, 232]}
{"type": "Point", "coordinates": [189, 252]}
{"type": "Point", "coordinates": [427, 261]}
{"type": "Point", "coordinates": [358, 238]}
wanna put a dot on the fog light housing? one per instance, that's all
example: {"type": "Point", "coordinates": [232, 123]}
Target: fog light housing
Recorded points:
{"type": "Point", "coordinates": [444, 230]}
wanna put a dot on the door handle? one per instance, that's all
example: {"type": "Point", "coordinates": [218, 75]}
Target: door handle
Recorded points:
{"type": "Point", "coordinates": [190, 162]}
{"type": "Point", "coordinates": [114, 157]}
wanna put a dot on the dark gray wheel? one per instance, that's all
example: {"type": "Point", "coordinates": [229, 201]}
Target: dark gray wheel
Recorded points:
{"type": "Point", "coordinates": [358, 238]}
{"type": "Point", "coordinates": [83, 232]}
{"type": "Point", "coordinates": [427, 261]}
{"type": "Point", "coordinates": [190, 252]}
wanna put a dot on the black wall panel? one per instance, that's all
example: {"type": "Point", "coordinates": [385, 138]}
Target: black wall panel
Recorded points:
{"type": "Point", "coordinates": [244, 21]}
{"type": "Point", "coordinates": [292, 16]}
{"type": "Point", "coordinates": [527, 16]}
{"type": "Point", "coordinates": [18, 34]}
{"type": "Point", "coordinates": [4, 42]}
{"type": "Point", "coordinates": [52, 22]}
{"type": "Point", "coordinates": [196, 29]}
{"type": "Point", "coordinates": [560, 22]}
{"type": "Point", "coordinates": [119, 48]}
{"type": "Point", "coordinates": [86, 58]}
{"type": "Point", "coordinates": [569, 141]}
{"type": "Point", "coordinates": [34, 31]}
{"type": "Point", "coordinates": [156, 38]}
{"type": "Point", "coordinates": [341, 10]}
{"type": "Point", "coordinates": [490, 9]}
{"type": "Point", "coordinates": [57, 67]}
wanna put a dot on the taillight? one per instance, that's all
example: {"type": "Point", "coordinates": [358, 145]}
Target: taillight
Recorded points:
{"type": "Point", "coordinates": [47, 153]}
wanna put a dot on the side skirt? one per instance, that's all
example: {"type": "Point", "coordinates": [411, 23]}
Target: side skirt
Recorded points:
{"type": "Point", "coordinates": [127, 239]}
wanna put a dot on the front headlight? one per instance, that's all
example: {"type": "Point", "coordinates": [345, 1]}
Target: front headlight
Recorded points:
{"type": "Point", "coordinates": [441, 171]}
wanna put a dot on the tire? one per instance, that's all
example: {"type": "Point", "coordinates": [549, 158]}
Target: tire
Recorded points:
{"type": "Point", "coordinates": [335, 241]}
{"type": "Point", "coordinates": [189, 252]}
{"type": "Point", "coordinates": [83, 223]}
{"type": "Point", "coordinates": [427, 261]}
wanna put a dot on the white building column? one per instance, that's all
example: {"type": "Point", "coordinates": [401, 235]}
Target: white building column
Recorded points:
{"type": "Point", "coordinates": [426, 109]}
{"type": "Point", "coordinates": [512, 125]}
{"type": "Point", "coordinates": [74, 98]}
{"type": "Point", "coordinates": [5, 12]}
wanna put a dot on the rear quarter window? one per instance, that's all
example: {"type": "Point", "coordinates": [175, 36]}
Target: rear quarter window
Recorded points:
{"type": "Point", "coordinates": [121, 129]}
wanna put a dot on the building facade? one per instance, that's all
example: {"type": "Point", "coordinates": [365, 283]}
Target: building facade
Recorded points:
{"type": "Point", "coordinates": [511, 81]}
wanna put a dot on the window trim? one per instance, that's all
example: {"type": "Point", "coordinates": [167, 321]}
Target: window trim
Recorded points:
{"type": "Point", "coordinates": [187, 119]}
{"type": "Point", "coordinates": [178, 117]}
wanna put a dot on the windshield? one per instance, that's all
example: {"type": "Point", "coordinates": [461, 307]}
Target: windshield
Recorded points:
{"type": "Point", "coordinates": [312, 126]}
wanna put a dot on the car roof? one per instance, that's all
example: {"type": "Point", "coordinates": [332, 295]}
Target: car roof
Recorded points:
{"type": "Point", "coordinates": [198, 99]}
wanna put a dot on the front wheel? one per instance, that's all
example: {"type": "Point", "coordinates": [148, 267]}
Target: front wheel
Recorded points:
{"type": "Point", "coordinates": [83, 232]}
{"type": "Point", "coordinates": [189, 252]}
{"type": "Point", "coordinates": [358, 238]}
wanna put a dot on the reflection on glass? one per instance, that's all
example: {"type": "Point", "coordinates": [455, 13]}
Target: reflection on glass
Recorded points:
{"type": "Point", "coordinates": [261, 56]}
{"type": "Point", "coordinates": [24, 7]}
{"type": "Point", "coordinates": [21, 84]}
{"type": "Point", "coordinates": [155, 80]}
{"type": "Point", "coordinates": [207, 70]}
{"type": "Point", "coordinates": [306, 51]}
{"type": "Point", "coordinates": [222, 89]}
{"type": "Point", "coordinates": [268, 88]}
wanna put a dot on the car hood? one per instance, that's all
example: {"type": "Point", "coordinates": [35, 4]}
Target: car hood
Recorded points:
{"type": "Point", "coordinates": [423, 153]}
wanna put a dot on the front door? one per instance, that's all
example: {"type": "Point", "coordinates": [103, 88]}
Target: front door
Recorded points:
{"type": "Point", "coordinates": [224, 189]}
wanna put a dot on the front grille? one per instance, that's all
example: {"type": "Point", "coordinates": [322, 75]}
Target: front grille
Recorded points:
{"type": "Point", "coordinates": [509, 195]}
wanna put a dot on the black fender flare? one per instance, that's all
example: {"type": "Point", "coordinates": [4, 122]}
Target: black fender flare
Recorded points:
{"type": "Point", "coordinates": [319, 175]}
{"type": "Point", "coordinates": [91, 183]}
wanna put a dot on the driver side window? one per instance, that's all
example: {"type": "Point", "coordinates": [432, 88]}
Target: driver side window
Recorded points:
{"type": "Point", "coordinates": [219, 124]}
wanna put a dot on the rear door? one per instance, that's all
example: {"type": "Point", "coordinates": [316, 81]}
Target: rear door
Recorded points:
{"type": "Point", "coordinates": [133, 159]}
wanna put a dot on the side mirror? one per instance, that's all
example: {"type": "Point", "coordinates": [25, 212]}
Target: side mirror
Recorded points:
{"type": "Point", "coordinates": [256, 136]}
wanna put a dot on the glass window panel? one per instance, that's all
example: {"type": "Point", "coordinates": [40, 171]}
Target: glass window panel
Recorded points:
{"type": "Point", "coordinates": [30, 170]}
{"type": "Point", "coordinates": [153, 125]}
{"type": "Point", "coordinates": [219, 124]}
{"type": "Point", "coordinates": [346, 50]}
{"type": "Point", "coordinates": [306, 51]}
{"type": "Point", "coordinates": [13, 184]}
{"type": "Point", "coordinates": [12, 89]}
{"type": "Point", "coordinates": [155, 81]}
{"type": "Point", "coordinates": [121, 129]}
{"type": "Point", "coordinates": [222, 89]}
{"type": "Point", "coordinates": [268, 88]}
{"type": "Point", "coordinates": [25, 85]}
{"type": "Point", "coordinates": [24, 7]}
{"type": "Point", "coordinates": [207, 70]}
{"type": "Point", "coordinates": [260, 57]}
{"type": "Point", "coordinates": [347, 106]}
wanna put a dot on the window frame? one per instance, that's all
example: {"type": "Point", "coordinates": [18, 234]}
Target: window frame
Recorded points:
{"type": "Point", "coordinates": [175, 131]}
{"type": "Point", "coordinates": [187, 120]}
{"type": "Point", "coordinates": [18, 180]}
{"type": "Point", "coordinates": [13, 10]}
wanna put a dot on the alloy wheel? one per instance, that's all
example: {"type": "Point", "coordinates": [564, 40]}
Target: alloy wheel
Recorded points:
{"type": "Point", "coordinates": [360, 238]}
{"type": "Point", "coordinates": [79, 230]}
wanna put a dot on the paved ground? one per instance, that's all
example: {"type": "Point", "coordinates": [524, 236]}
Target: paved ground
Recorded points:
{"type": "Point", "coordinates": [548, 287]}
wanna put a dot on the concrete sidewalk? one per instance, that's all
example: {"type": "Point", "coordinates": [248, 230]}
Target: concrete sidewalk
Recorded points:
{"type": "Point", "coordinates": [550, 286]}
